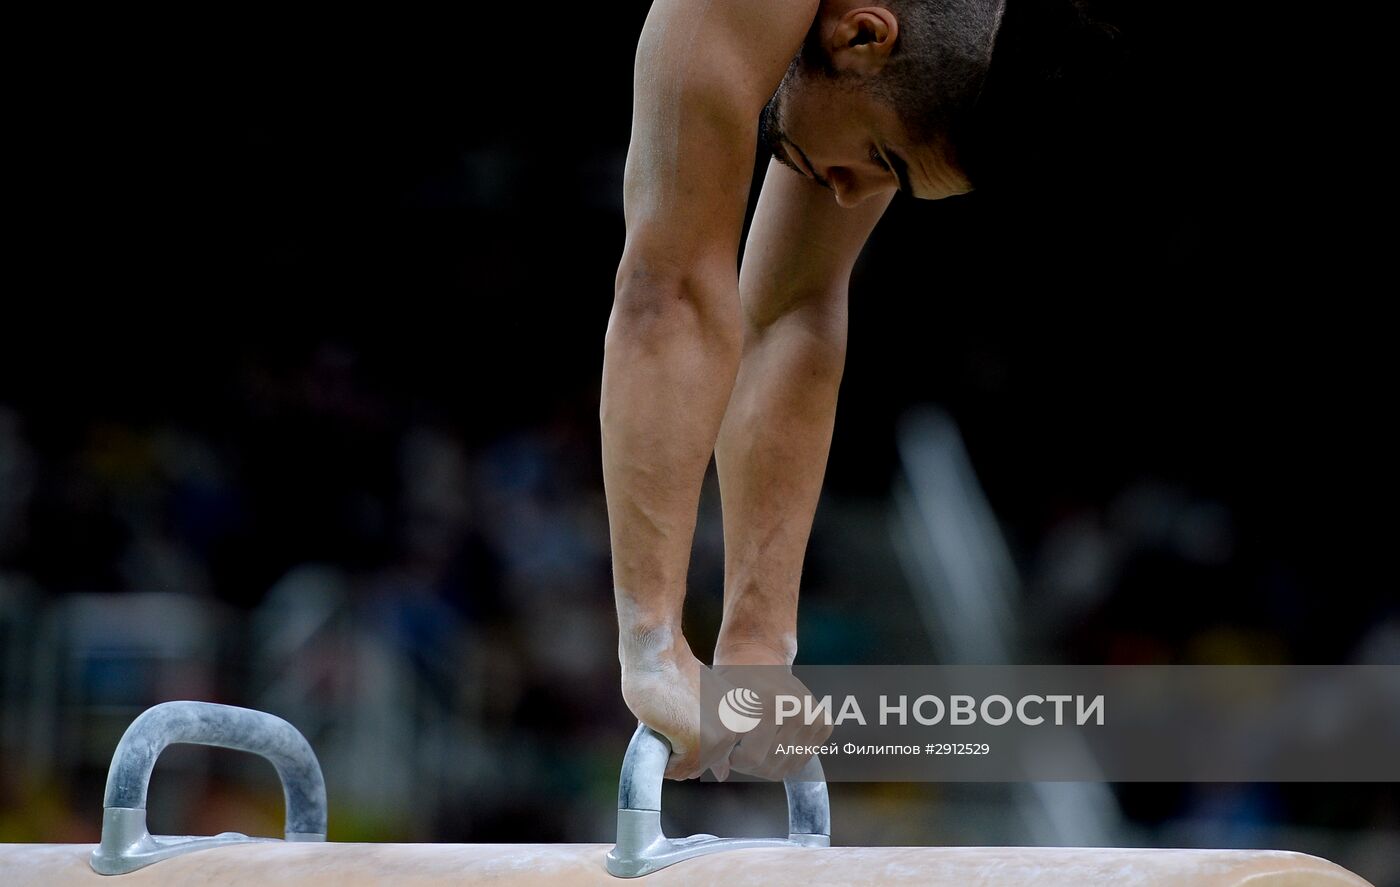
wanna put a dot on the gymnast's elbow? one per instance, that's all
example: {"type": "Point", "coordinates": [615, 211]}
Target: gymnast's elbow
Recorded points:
{"type": "Point", "coordinates": [660, 303]}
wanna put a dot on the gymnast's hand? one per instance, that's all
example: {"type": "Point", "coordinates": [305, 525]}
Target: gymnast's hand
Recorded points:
{"type": "Point", "coordinates": [768, 674]}
{"type": "Point", "coordinates": [663, 684]}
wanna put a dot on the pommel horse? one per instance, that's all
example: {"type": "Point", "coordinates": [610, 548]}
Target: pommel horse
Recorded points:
{"type": "Point", "coordinates": [129, 856]}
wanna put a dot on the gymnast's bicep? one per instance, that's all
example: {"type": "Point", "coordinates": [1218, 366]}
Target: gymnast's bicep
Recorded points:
{"type": "Point", "coordinates": [704, 71]}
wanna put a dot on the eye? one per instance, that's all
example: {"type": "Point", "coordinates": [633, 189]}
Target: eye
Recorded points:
{"type": "Point", "coordinates": [878, 160]}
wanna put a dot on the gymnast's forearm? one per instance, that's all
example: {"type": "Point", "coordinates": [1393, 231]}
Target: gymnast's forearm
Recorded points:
{"type": "Point", "coordinates": [670, 358]}
{"type": "Point", "coordinates": [772, 455]}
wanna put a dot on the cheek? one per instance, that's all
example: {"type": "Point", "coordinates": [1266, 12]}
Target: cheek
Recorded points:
{"type": "Point", "coordinates": [824, 120]}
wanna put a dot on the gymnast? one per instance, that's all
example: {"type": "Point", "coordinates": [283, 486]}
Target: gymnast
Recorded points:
{"type": "Point", "coordinates": [704, 357]}
{"type": "Point", "coordinates": [854, 102]}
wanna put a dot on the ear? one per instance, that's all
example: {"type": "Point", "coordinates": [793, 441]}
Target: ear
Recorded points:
{"type": "Point", "coordinates": [862, 40]}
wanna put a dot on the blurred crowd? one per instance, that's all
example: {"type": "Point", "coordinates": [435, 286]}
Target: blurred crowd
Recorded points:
{"type": "Point", "coordinates": [479, 570]}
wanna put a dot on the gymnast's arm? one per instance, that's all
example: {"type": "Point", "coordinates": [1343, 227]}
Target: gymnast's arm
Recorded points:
{"type": "Point", "coordinates": [776, 434]}
{"type": "Point", "coordinates": [703, 73]}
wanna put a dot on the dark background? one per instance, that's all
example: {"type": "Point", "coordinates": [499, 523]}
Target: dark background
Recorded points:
{"type": "Point", "coordinates": [331, 290]}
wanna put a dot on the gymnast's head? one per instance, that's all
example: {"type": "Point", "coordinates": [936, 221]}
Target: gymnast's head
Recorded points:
{"type": "Point", "coordinates": [915, 95]}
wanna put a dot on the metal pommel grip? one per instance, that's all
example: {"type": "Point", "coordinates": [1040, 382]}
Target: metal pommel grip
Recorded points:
{"type": "Point", "coordinates": [643, 848]}
{"type": "Point", "coordinates": [127, 845]}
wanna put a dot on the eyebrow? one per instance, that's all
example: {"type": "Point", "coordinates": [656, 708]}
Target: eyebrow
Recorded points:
{"type": "Point", "coordinates": [901, 171]}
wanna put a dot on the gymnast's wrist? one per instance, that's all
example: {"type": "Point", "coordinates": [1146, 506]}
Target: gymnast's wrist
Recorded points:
{"type": "Point", "coordinates": [756, 633]}
{"type": "Point", "coordinates": [650, 643]}
{"type": "Point", "coordinates": [778, 648]}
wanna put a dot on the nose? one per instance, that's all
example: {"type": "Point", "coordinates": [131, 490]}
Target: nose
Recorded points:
{"type": "Point", "coordinates": [853, 188]}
